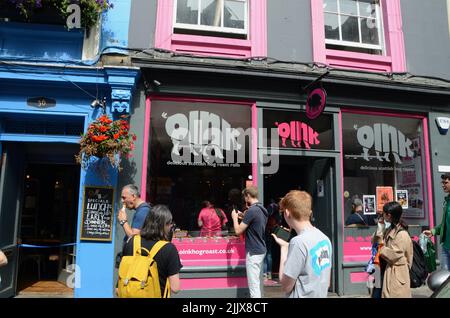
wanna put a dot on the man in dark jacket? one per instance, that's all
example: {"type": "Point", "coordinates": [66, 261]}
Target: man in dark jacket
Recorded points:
{"type": "Point", "coordinates": [358, 217]}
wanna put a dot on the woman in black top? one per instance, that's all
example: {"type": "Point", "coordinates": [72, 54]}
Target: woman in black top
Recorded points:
{"type": "Point", "coordinates": [158, 226]}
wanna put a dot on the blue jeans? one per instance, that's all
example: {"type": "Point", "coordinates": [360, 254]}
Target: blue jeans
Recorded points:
{"type": "Point", "coordinates": [268, 258]}
{"type": "Point", "coordinates": [445, 259]}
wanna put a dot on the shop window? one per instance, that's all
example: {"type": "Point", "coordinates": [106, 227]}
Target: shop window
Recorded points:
{"type": "Point", "coordinates": [231, 28]}
{"type": "Point", "coordinates": [384, 160]}
{"type": "Point", "coordinates": [228, 17]}
{"type": "Point", "coordinates": [194, 154]}
{"type": "Point", "coordinates": [359, 34]}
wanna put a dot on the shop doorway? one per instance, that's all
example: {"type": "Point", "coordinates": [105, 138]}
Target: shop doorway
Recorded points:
{"type": "Point", "coordinates": [312, 174]}
{"type": "Point", "coordinates": [39, 202]}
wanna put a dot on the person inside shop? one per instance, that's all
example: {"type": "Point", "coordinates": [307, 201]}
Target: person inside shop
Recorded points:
{"type": "Point", "coordinates": [211, 220]}
{"type": "Point", "coordinates": [303, 273]}
{"type": "Point", "coordinates": [443, 229]}
{"type": "Point", "coordinates": [253, 225]}
{"type": "Point", "coordinates": [131, 199]}
{"type": "Point", "coordinates": [357, 216]}
{"type": "Point", "coordinates": [158, 225]}
{"type": "Point", "coordinates": [234, 202]}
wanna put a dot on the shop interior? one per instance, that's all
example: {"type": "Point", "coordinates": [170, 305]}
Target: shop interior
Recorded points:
{"type": "Point", "coordinates": [48, 220]}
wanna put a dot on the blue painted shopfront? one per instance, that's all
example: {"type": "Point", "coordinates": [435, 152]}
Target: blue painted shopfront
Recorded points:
{"type": "Point", "coordinates": [47, 86]}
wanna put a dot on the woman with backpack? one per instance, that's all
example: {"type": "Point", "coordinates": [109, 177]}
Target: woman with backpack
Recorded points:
{"type": "Point", "coordinates": [396, 252]}
{"type": "Point", "coordinates": [155, 237]}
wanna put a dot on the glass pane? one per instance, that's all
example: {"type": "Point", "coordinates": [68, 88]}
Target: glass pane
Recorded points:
{"type": "Point", "coordinates": [331, 26]}
{"type": "Point", "coordinates": [187, 11]}
{"type": "Point", "coordinates": [349, 27]}
{"type": "Point", "coordinates": [293, 130]}
{"type": "Point", "coordinates": [369, 31]}
{"type": "Point", "coordinates": [211, 13]}
{"type": "Point", "coordinates": [234, 14]}
{"type": "Point", "coordinates": [381, 151]}
{"type": "Point", "coordinates": [367, 8]}
{"type": "Point", "coordinates": [330, 5]}
{"type": "Point", "coordinates": [185, 167]}
{"type": "Point", "coordinates": [349, 7]}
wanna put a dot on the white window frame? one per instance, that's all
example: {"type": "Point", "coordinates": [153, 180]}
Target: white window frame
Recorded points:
{"type": "Point", "coordinates": [208, 28]}
{"type": "Point", "coordinates": [359, 44]}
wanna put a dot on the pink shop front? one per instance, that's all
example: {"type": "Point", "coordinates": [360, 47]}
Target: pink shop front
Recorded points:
{"type": "Point", "coordinates": [374, 156]}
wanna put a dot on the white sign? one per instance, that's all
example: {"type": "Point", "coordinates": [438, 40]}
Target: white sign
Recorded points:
{"type": "Point", "coordinates": [385, 140]}
{"type": "Point", "coordinates": [443, 124]}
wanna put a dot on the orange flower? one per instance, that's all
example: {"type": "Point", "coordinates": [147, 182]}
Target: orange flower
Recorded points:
{"type": "Point", "coordinates": [116, 136]}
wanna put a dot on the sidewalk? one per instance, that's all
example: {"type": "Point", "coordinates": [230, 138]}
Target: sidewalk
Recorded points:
{"type": "Point", "coordinates": [274, 291]}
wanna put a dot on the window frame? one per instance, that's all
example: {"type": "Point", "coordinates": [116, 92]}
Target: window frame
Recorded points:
{"type": "Point", "coordinates": [207, 28]}
{"type": "Point", "coordinates": [393, 58]}
{"type": "Point", "coordinates": [343, 43]}
{"type": "Point", "coordinates": [255, 43]}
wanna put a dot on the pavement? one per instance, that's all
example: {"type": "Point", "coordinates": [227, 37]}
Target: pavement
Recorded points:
{"type": "Point", "coordinates": [272, 289]}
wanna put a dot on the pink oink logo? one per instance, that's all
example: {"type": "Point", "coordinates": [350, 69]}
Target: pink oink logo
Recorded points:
{"type": "Point", "coordinates": [298, 132]}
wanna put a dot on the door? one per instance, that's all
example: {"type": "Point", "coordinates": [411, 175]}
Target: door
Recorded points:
{"type": "Point", "coordinates": [12, 168]}
{"type": "Point", "coordinates": [324, 209]}
{"type": "Point", "coordinates": [316, 176]}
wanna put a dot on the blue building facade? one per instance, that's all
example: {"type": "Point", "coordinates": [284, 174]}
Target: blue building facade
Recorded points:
{"type": "Point", "coordinates": [49, 80]}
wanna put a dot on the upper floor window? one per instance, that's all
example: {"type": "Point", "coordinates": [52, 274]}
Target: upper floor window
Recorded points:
{"type": "Point", "coordinates": [353, 25]}
{"type": "Point", "coordinates": [210, 16]}
{"type": "Point", "coordinates": [229, 28]}
{"type": "Point", "coordinates": [359, 34]}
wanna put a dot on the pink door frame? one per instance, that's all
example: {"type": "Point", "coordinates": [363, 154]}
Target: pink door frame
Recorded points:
{"type": "Point", "coordinates": [145, 148]}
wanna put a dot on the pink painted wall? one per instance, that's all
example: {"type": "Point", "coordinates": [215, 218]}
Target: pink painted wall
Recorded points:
{"type": "Point", "coordinates": [254, 45]}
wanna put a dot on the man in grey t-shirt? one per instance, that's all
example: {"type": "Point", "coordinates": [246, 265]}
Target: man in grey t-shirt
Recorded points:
{"type": "Point", "coordinates": [305, 262]}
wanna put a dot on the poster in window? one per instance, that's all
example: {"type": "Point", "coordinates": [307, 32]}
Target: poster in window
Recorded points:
{"type": "Point", "coordinates": [97, 217]}
{"type": "Point", "coordinates": [401, 196]}
{"type": "Point", "coordinates": [384, 195]}
{"type": "Point", "coordinates": [369, 204]}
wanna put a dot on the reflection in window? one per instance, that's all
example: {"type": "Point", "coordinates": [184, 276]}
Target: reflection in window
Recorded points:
{"type": "Point", "coordinates": [381, 151]}
{"type": "Point", "coordinates": [353, 25]}
{"type": "Point", "coordinates": [226, 16]}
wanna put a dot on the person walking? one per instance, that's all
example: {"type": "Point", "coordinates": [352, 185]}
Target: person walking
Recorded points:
{"type": "Point", "coordinates": [443, 229]}
{"type": "Point", "coordinates": [305, 262]}
{"type": "Point", "coordinates": [253, 225]}
{"type": "Point", "coordinates": [131, 200]}
{"type": "Point", "coordinates": [157, 227]}
{"type": "Point", "coordinates": [396, 252]}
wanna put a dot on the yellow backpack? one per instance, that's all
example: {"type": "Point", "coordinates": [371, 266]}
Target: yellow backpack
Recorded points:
{"type": "Point", "coordinates": [138, 275]}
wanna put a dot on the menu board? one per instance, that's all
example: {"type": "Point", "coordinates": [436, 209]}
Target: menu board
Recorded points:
{"type": "Point", "coordinates": [96, 222]}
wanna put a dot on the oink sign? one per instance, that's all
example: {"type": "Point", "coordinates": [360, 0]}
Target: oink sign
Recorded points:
{"type": "Point", "coordinates": [385, 140]}
{"type": "Point", "coordinates": [201, 134]}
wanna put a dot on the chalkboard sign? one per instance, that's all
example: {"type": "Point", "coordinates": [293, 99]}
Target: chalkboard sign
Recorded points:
{"type": "Point", "coordinates": [98, 204]}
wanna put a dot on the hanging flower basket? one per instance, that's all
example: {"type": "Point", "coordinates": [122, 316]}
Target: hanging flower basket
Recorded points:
{"type": "Point", "coordinates": [106, 138]}
{"type": "Point", "coordinates": [52, 11]}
